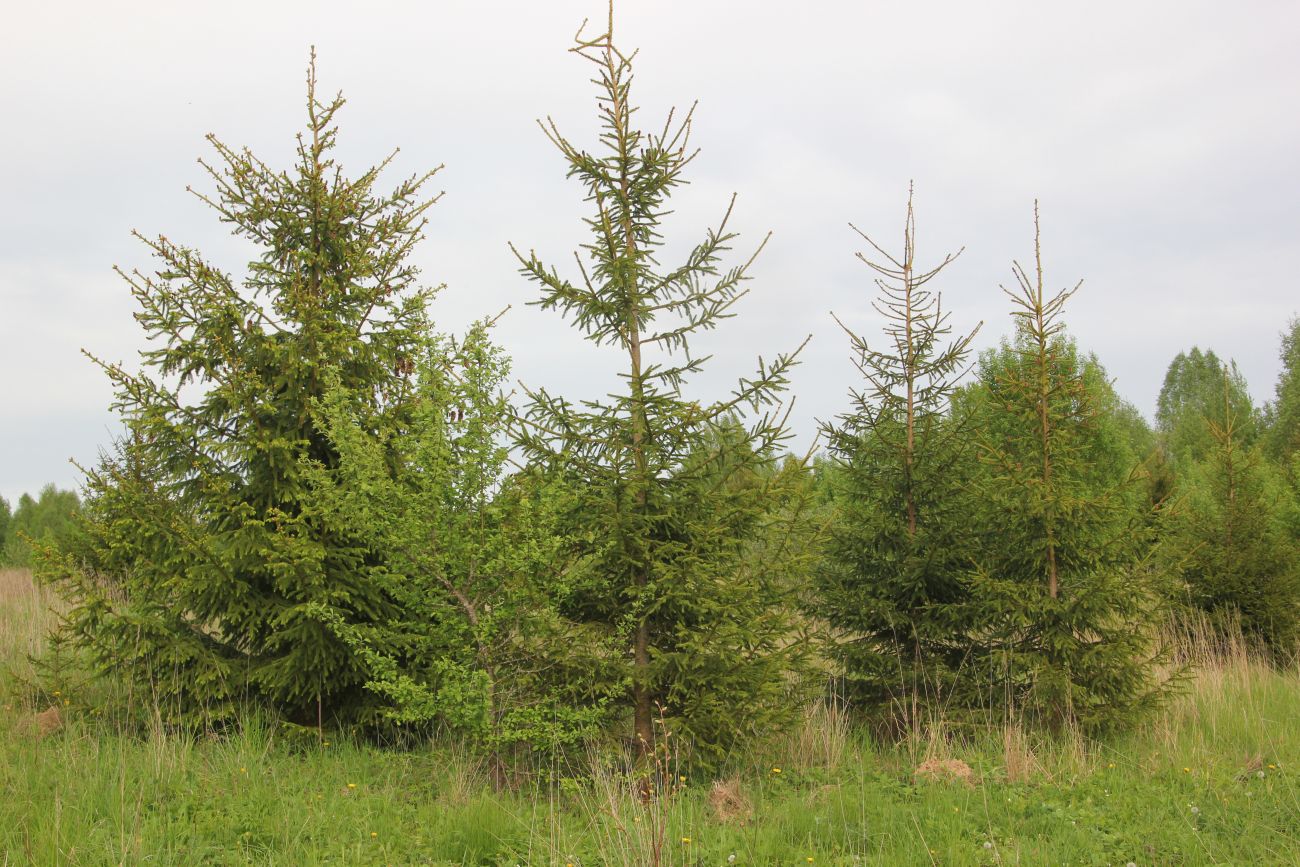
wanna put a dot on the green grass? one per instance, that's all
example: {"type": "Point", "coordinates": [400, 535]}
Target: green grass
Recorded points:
{"type": "Point", "coordinates": [1214, 780]}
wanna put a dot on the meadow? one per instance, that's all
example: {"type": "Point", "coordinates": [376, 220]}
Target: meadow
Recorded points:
{"type": "Point", "coordinates": [1211, 780]}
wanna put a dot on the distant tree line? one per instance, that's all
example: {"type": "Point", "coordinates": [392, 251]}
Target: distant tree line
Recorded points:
{"type": "Point", "coordinates": [46, 518]}
{"type": "Point", "coordinates": [324, 506]}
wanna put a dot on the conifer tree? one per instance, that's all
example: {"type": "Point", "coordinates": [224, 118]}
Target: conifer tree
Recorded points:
{"type": "Point", "coordinates": [205, 564]}
{"type": "Point", "coordinates": [892, 584]}
{"type": "Point", "coordinates": [670, 497]}
{"type": "Point", "coordinates": [1062, 593]}
{"type": "Point", "coordinates": [1234, 538]}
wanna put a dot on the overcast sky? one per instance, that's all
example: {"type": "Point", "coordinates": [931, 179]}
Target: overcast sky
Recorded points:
{"type": "Point", "coordinates": [1162, 138]}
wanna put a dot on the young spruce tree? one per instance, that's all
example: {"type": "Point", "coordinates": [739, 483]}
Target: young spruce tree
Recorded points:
{"type": "Point", "coordinates": [671, 497]}
{"type": "Point", "coordinates": [892, 584]}
{"type": "Point", "coordinates": [205, 564]}
{"type": "Point", "coordinates": [1062, 593]}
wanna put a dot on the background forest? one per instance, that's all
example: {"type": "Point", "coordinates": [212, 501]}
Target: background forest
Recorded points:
{"type": "Point", "coordinates": [327, 519]}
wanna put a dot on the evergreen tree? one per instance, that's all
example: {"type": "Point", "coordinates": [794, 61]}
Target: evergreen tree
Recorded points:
{"type": "Point", "coordinates": [205, 565]}
{"type": "Point", "coordinates": [1234, 535]}
{"type": "Point", "coordinates": [1193, 391]}
{"type": "Point", "coordinates": [1284, 423]}
{"type": "Point", "coordinates": [892, 584]}
{"type": "Point", "coordinates": [670, 498]}
{"type": "Point", "coordinates": [1062, 595]}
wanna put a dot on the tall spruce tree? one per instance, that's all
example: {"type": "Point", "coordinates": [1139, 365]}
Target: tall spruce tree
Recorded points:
{"type": "Point", "coordinates": [670, 496]}
{"type": "Point", "coordinates": [205, 565]}
{"type": "Point", "coordinates": [1234, 537]}
{"type": "Point", "coordinates": [1062, 594]}
{"type": "Point", "coordinates": [892, 582]}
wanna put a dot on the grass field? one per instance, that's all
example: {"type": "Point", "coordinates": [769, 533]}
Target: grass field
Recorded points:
{"type": "Point", "coordinates": [1214, 780]}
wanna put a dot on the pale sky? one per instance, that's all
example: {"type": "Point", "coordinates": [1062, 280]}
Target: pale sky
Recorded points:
{"type": "Point", "coordinates": [1162, 138]}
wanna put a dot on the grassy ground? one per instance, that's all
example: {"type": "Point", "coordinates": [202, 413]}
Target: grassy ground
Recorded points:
{"type": "Point", "coordinates": [1215, 780]}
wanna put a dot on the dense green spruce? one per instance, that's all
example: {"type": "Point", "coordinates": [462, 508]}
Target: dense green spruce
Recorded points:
{"type": "Point", "coordinates": [206, 570]}
{"type": "Point", "coordinates": [673, 498]}
{"type": "Point", "coordinates": [892, 583]}
{"type": "Point", "coordinates": [1062, 597]}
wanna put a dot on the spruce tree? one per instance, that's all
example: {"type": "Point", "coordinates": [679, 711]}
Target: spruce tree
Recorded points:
{"type": "Point", "coordinates": [892, 583]}
{"type": "Point", "coordinates": [205, 565]}
{"type": "Point", "coordinates": [671, 497]}
{"type": "Point", "coordinates": [1062, 596]}
{"type": "Point", "coordinates": [1234, 540]}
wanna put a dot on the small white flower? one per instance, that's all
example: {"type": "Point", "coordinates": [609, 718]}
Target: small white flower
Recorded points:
{"type": "Point", "coordinates": [1195, 809]}
{"type": "Point", "coordinates": [1131, 864]}
{"type": "Point", "coordinates": [1259, 774]}
{"type": "Point", "coordinates": [988, 845]}
{"type": "Point", "coordinates": [731, 859]}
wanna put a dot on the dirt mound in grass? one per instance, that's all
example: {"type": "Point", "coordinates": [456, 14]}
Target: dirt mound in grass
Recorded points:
{"type": "Point", "coordinates": [41, 725]}
{"type": "Point", "coordinates": [944, 771]}
{"type": "Point", "coordinates": [728, 802]}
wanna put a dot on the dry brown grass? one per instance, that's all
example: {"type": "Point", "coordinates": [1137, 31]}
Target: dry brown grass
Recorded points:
{"type": "Point", "coordinates": [821, 740]}
{"type": "Point", "coordinates": [1020, 762]}
{"type": "Point", "coordinates": [27, 612]}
